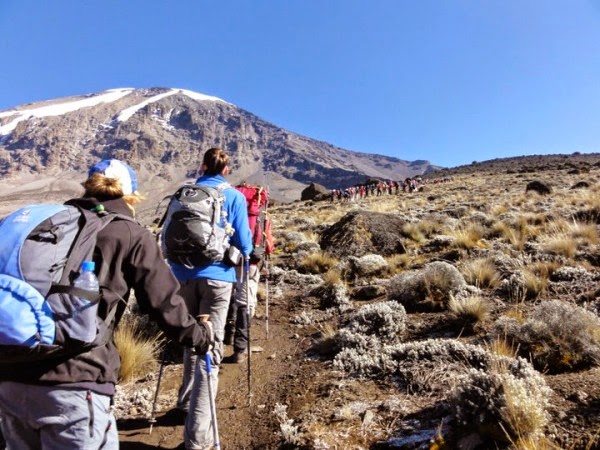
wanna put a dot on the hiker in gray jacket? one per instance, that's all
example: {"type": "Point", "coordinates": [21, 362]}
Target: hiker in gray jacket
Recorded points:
{"type": "Point", "coordinates": [66, 403]}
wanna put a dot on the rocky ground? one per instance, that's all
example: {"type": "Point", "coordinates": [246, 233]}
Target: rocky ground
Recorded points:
{"type": "Point", "coordinates": [367, 347]}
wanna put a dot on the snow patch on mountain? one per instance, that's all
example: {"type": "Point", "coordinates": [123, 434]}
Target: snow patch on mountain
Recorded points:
{"type": "Point", "coordinates": [128, 112]}
{"type": "Point", "coordinates": [108, 96]}
{"type": "Point", "coordinates": [59, 109]}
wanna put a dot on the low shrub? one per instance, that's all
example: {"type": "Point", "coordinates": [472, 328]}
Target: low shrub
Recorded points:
{"type": "Point", "coordinates": [428, 289]}
{"type": "Point", "coordinates": [333, 292]}
{"type": "Point", "coordinates": [367, 265]}
{"type": "Point", "coordinates": [556, 336]}
{"type": "Point", "coordinates": [503, 406]}
{"type": "Point", "coordinates": [374, 325]}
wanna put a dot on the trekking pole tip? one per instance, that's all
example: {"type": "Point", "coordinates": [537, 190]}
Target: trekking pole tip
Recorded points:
{"type": "Point", "coordinates": [152, 422]}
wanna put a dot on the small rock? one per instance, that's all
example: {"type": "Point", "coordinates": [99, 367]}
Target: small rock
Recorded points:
{"type": "Point", "coordinates": [272, 356]}
{"type": "Point", "coordinates": [368, 417]}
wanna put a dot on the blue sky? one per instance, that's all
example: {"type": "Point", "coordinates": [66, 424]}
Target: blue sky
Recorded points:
{"type": "Point", "coordinates": [450, 81]}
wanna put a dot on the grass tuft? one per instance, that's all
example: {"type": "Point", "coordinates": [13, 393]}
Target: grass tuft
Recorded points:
{"type": "Point", "coordinates": [138, 350]}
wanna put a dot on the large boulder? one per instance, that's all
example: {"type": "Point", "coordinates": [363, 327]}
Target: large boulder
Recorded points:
{"type": "Point", "coordinates": [538, 186]}
{"type": "Point", "coordinates": [314, 192]}
{"type": "Point", "coordinates": [360, 233]}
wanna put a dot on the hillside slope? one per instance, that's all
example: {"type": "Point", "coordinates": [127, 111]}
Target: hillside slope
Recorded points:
{"type": "Point", "coordinates": [481, 332]}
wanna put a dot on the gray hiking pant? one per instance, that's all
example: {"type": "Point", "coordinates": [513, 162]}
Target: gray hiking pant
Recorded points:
{"type": "Point", "coordinates": [203, 296]}
{"type": "Point", "coordinates": [245, 296]}
{"type": "Point", "coordinates": [51, 418]}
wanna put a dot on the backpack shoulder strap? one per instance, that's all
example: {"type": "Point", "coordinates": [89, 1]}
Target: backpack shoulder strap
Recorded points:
{"type": "Point", "coordinates": [91, 224]}
{"type": "Point", "coordinates": [221, 187]}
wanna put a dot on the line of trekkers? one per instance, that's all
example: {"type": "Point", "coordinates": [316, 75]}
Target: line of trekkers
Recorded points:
{"type": "Point", "coordinates": [376, 189]}
{"type": "Point", "coordinates": [66, 273]}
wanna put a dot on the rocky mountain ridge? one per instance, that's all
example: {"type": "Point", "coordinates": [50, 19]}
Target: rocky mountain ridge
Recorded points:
{"type": "Point", "coordinates": [163, 132]}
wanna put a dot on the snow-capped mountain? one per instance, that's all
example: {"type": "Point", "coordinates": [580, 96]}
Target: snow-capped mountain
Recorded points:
{"type": "Point", "coordinates": [163, 132]}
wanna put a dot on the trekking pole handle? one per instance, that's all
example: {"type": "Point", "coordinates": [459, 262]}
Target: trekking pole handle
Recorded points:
{"type": "Point", "coordinates": [208, 364]}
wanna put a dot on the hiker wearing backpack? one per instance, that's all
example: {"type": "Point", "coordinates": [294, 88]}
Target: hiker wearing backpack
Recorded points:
{"type": "Point", "coordinates": [246, 288]}
{"type": "Point", "coordinates": [206, 225]}
{"type": "Point", "coordinates": [58, 395]}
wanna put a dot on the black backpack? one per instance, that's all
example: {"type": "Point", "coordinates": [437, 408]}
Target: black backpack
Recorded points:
{"type": "Point", "coordinates": [195, 231]}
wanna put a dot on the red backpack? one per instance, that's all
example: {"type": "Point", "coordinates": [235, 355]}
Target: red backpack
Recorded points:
{"type": "Point", "coordinates": [257, 201]}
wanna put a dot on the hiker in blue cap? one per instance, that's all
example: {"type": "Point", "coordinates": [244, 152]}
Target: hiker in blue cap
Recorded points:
{"type": "Point", "coordinates": [65, 402]}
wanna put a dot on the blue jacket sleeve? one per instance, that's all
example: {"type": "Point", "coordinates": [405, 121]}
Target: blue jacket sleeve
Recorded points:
{"type": "Point", "coordinates": [238, 217]}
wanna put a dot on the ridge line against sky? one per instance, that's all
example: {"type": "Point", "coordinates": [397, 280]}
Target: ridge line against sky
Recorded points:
{"type": "Point", "coordinates": [449, 82]}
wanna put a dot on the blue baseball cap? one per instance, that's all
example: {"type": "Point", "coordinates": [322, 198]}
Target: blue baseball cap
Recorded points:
{"type": "Point", "coordinates": [113, 168]}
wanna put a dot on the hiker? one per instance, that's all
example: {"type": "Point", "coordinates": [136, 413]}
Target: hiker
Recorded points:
{"type": "Point", "coordinates": [206, 289]}
{"type": "Point", "coordinates": [246, 288]}
{"type": "Point", "coordinates": [65, 402]}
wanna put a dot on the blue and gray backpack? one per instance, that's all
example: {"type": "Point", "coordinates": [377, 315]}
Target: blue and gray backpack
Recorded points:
{"type": "Point", "coordinates": [42, 316]}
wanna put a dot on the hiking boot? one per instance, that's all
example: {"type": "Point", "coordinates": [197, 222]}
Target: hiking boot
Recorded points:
{"type": "Point", "coordinates": [175, 416]}
{"type": "Point", "coordinates": [228, 339]}
{"type": "Point", "coordinates": [236, 358]}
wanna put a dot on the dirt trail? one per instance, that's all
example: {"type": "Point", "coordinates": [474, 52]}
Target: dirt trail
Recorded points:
{"type": "Point", "coordinates": [276, 377]}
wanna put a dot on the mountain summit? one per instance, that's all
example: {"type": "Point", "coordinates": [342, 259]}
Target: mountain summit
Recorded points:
{"type": "Point", "coordinates": [163, 132]}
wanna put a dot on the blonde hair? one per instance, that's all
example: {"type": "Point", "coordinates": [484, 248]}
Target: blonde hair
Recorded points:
{"type": "Point", "coordinates": [104, 188]}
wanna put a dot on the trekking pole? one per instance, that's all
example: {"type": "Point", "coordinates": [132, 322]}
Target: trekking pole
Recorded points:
{"type": "Point", "coordinates": [160, 373]}
{"type": "Point", "coordinates": [213, 405]}
{"type": "Point", "coordinates": [248, 317]}
{"type": "Point", "coordinates": [267, 295]}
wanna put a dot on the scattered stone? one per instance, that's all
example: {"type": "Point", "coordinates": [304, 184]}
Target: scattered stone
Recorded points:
{"type": "Point", "coordinates": [314, 192]}
{"type": "Point", "coordinates": [367, 417]}
{"type": "Point", "coordinates": [349, 236]}
{"type": "Point", "coordinates": [369, 292]}
{"type": "Point", "coordinates": [539, 187]}
{"type": "Point", "coordinates": [367, 265]}
{"type": "Point", "coordinates": [581, 185]}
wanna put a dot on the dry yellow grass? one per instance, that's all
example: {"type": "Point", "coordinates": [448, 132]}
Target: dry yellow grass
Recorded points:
{"type": "Point", "coordinates": [501, 347]}
{"type": "Point", "coordinates": [137, 350]}
{"type": "Point", "coordinates": [397, 263]}
{"type": "Point", "coordinates": [534, 284]}
{"type": "Point", "coordinates": [473, 309]}
{"type": "Point", "coordinates": [481, 272]}
{"type": "Point", "coordinates": [413, 232]}
{"type": "Point", "coordinates": [468, 237]}
{"type": "Point", "coordinates": [316, 263]}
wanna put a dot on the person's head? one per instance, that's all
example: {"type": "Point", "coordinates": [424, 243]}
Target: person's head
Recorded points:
{"type": "Point", "coordinates": [215, 162]}
{"type": "Point", "coordinates": [111, 179]}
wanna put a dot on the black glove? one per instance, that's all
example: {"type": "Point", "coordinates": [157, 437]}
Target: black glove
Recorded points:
{"type": "Point", "coordinates": [209, 344]}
